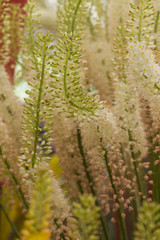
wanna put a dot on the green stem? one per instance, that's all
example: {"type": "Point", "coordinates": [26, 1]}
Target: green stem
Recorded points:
{"type": "Point", "coordinates": [90, 180]}
{"type": "Point", "coordinates": [17, 184]}
{"type": "Point", "coordinates": [156, 26]}
{"type": "Point", "coordinates": [123, 54]}
{"type": "Point", "coordinates": [135, 163]}
{"type": "Point", "coordinates": [79, 184]}
{"type": "Point", "coordinates": [39, 104]}
{"type": "Point", "coordinates": [135, 168]}
{"type": "Point", "coordinates": [9, 220]}
{"type": "Point", "coordinates": [122, 152]}
{"type": "Point", "coordinates": [106, 24]}
{"type": "Point", "coordinates": [156, 22]}
{"type": "Point", "coordinates": [74, 15]}
{"type": "Point", "coordinates": [158, 168]}
{"type": "Point", "coordinates": [152, 160]}
{"type": "Point", "coordinates": [134, 203]}
{"type": "Point", "coordinates": [157, 182]}
{"type": "Point", "coordinates": [65, 71]}
{"type": "Point", "coordinates": [91, 27]}
{"type": "Point", "coordinates": [123, 61]}
{"type": "Point", "coordinates": [140, 21]}
{"type": "Point", "coordinates": [155, 172]}
{"type": "Point", "coordinates": [119, 211]}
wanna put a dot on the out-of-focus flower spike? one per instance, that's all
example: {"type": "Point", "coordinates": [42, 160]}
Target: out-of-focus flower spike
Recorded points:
{"type": "Point", "coordinates": [37, 223]}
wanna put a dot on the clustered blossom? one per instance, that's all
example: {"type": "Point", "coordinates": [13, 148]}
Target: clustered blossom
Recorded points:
{"type": "Point", "coordinates": [96, 142]}
{"type": "Point", "coordinates": [37, 223]}
{"type": "Point", "coordinates": [156, 142]}
{"type": "Point", "coordinates": [133, 139]}
{"type": "Point", "coordinates": [11, 117]}
{"type": "Point", "coordinates": [73, 173]}
{"type": "Point", "coordinates": [144, 72]}
{"type": "Point", "coordinates": [143, 67]}
{"type": "Point", "coordinates": [9, 153]}
{"type": "Point", "coordinates": [48, 207]}
{"type": "Point", "coordinates": [10, 131]}
{"type": "Point", "coordinates": [127, 110]}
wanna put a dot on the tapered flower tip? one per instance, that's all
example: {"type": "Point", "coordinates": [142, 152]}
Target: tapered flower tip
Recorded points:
{"type": "Point", "coordinates": [56, 166]}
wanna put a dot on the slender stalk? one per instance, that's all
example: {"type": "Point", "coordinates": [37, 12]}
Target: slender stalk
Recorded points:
{"type": "Point", "coordinates": [156, 22]}
{"type": "Point", "coordinates": [123, 52]}
{"type": "Point", "coordinates": [9, 220]}
{"type": "Point", "coordinates": [65, 71]}
{"type": "Point", "coordinates": [156, 26]}
{"type": "Point", "coordinates": [119, 211]}
{"type": "Point", "coordinates": [152, 160]}
{"type": "Point", "coordinates": [136, 198]}
{"type": "Point", "coordinates": [39, 105]}
{"type": "Point", "coordinates": [106, 24]}
{"type": "Point", "coordinates": [17, 184]}
{"type": "Point", "coordinates": [122, 152]}
{"type": "Point", "coordinates": [74, 16]}
{"type": "Point", "coordinates": [79, 184]}
{"type": "Point", "coordinates": [135, 169]}
{"type": "Point", "coordinates": [140, 20]}
{"type": "Point", "coordinates": [135, 163]}
{"type": "Point", "coordinates": [91, 27]}
{"type": "Point", "coordinates": [157, 182]}
{"type": "Point", "coordinates": [158, 190]}
{"type": "Point", "coordinates": [155, 173]}
{"type": "Point", "coordinates": [90, 180]}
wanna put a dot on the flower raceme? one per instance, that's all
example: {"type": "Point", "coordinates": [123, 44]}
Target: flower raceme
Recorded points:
{"type": "Point", "coordinates": [143, 67]}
